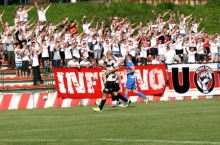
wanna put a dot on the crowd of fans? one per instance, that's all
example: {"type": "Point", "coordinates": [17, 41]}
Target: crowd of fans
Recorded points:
{"type": "Point", "coordinates": [42, 43]}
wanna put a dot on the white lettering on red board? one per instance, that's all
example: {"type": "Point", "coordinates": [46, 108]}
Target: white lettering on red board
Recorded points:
{"type": "Point", "coordinates": [160, 78]}
{"type": "Point", "coordinates": [142, 81]}
{"type": "Point", "coordinates": [93, 78]}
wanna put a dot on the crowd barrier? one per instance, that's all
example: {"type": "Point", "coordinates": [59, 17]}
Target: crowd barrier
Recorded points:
{"type": "Point", "coordinates": [35, 100]}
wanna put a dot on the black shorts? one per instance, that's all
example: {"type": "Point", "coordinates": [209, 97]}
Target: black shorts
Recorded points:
{"type": "Point", "coordinates": [62, 55]}
{"type": "Point", "coordinates": [154, 51]}
{"type": "Point", "coordinates": [178, 52]}
{"type": "Point", "coordinates": [207, 50]}
{"type": "Point", "coordinates": [51, 54]}
{"type": "Point", "coordinates": [111, 86]}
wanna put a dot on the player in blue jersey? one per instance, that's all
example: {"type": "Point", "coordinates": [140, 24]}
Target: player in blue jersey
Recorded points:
{"type": "Point", "coordinates": [131, 80]}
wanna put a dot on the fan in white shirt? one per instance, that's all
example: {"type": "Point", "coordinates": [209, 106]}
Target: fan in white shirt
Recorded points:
{"type": "Point", "coordinates": [85, 50]}
{"type": "Point", "coordinates": [73, 63]}
{"type": "Point", "coordinates": [191, 55]}
{"type": "Point", "coordinates": [25, 60]}
{"type": "Point", "coordinates": [182, 16]}
{"type": "Point", "coordinates": [76, 49]}
{"type": "Point", "coordinates": [159, 15]}
{"type": "Point", "coordinates": [124, 48]}
{"type": "Point", "coordinates": [42, 12]}
{"type": "Point", "coordinates": [67, 53]}
{"type": "Point", "coordinates": [86, 24]}
{"type": "Point", "coordinates": [24, 13]}
{"type": "Point", "coordinates": [170, 56]}
{"type": "Point", "coordinates": [107, 46]}
{"type": "Point", "coordinates": [200, 53]}
{"type": "Point", "coordinates": [214, 50]}
{"type": "Point", "coordinates": [45, 55]}
{"type": "Point", "coordinates": [85, 63]}
{"type": "Point", "coordinates": [101, 61]}
{"type": "Point", "coordinates": [84, 38]}
{"type": "Point", "coordinates": [194, 26]}
{"type": "Point", "coordinates": [182, 28]}
{"type": "Point", "coordinates": [185, 45]}
{"type": "Point", "coordinates": [161, 50]}
{"type": "Point", "coordinates": [156, 60]}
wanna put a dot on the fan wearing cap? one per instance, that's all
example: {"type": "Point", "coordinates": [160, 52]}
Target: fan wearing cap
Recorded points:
{"type": "Point", "coordinates": [73, 63]}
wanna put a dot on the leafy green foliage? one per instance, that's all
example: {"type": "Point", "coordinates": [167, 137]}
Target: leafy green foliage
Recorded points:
{"type": "Point", "coordinates": [166, 5]}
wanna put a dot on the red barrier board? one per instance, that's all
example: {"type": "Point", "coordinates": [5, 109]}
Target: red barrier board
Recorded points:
{"type": "Point", "coordinates": [86, 82]}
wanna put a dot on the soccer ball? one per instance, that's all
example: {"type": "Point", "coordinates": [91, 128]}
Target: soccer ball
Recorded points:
{"type": "Point", "coordinates": [45, 98]}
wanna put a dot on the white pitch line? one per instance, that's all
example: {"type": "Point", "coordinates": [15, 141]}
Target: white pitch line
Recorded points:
{"type": "Point", "coordinates": [164, 141]}
{"type": "Point", "coordinates": [102, 115]}
{"type": "Point", "coordinates": [27, 140]}
{"type": "Point", "coordinates": [42, 140]}
{"type": "Point", "coordinates": [112, 140]}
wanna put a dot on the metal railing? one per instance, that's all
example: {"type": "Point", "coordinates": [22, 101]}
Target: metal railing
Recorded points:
{"type": "Point", "coordinates": [48, 81]}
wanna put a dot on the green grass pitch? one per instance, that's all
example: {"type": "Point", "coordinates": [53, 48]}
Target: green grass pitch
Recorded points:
{"type": "Point", "coordinates": [157, 123]}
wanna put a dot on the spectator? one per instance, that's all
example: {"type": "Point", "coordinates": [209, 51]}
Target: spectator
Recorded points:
{"type": "Point", "coordinates": [59, 46]}
{"type": "Point", "coordinates": [214, 50]}
{"type": "Point", "coordinates": [85, 63]}
{"type": "Point", "coordinates": [67, 52]}
{"type": "Point", "coordinates": [191, 55]}
{"type": "Point", "coordinates": [57, 57]}
{"type": "Point", "coordinates": [76, 50]}
{"type": "Point", "coordinates": [10, 51]}
{"type": "Point", "coordinates": [73, 63]}
{"type": "Point", "coordinates": [36, 66]}
{"type": "Point", "coordinates": [45, 55]}
{"type": "Point", "coordinates": [200, 54]}
{"type": "Point", "coordinates": [25, 60]}
{"type": "Point", "coordinates": [85, 23]}
{"type": "Point", "coordinates": [156, 60]}
{"type": "Point", "coordinates": [101, 62]}
{"type": "Point", "coordinates": [18, 60]}
{"type": "Point", "coordinates": [42, 13]}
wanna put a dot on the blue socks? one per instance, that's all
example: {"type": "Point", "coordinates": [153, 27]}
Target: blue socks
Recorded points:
{"type": "Point", "coordinates": [142, 95]}
{"type": "Point", "coordinates": [126, 96]}
{"type": "Point", "coordinates": [139, 94]}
